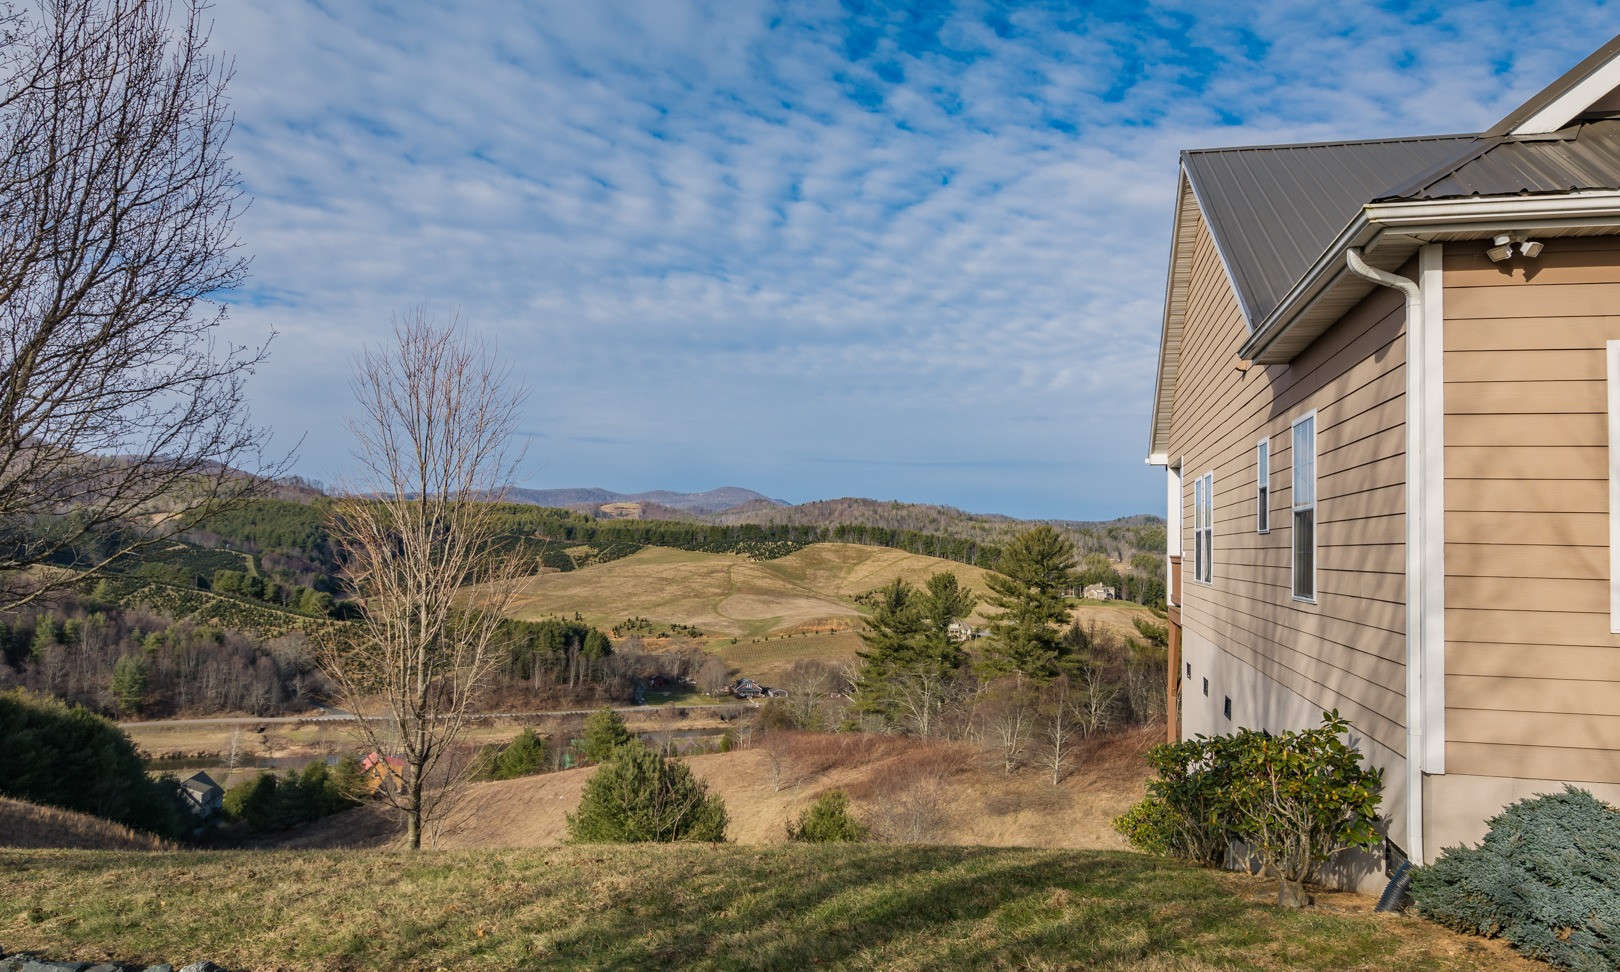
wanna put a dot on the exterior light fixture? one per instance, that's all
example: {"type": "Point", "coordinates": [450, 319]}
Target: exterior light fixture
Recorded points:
{"type": "Point", "coordinates": [1505, 244]}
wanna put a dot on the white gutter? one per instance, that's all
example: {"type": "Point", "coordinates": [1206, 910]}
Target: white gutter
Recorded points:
{"type": "Point", "coordinates": [1415, 514]}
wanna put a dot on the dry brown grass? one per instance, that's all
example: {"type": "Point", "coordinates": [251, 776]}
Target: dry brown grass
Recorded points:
{"type": "Point", "coordinates": [25, 824]}
{"type": "Point", "coordinates": [912, 790]}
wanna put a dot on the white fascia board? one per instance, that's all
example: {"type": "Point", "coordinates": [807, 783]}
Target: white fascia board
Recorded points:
{"type": "Point", "coordinates": [1158, 459]}
{"type": "Point", "coordinates": [1584, 95]}
{"type": "Point", "coordinates": [1454, 214]}
{"type": "Point", "coordinates": [1612, 355]}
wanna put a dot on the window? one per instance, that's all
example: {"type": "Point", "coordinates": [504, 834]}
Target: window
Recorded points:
{"type": "Point", "coordinates": [1203, 529]}
{"type": "Point", "coordinates": [1226, 706]}
{"type": "Point", "coordinates": [1262, 481]}
{"type": "Point", "coordinates": [1304, 460]}
{"type": "Point", "coordinates": [1206, 686]}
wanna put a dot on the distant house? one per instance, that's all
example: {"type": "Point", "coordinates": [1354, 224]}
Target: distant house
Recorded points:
{"type": "Point", "coordinates": [1099, 592]}
{"type": "Point", "coordinates": [380, 771]}
{"type": "Point", "coordinates": [960, 631]}
{"type": "Point", "coordinates": [204, 798]}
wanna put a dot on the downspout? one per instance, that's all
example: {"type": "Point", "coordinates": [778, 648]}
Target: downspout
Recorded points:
{"type": "Point", "coordinates": [1415, 491]}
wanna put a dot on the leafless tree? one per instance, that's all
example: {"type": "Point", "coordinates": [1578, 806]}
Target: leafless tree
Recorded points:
{"type": "Point", "coordinates": [122, 419]}
{"type": "Point", "coordinates": [1098, 702]}
{"type": "Point", "coordinates": [423, 551]}
{"type": "Point", "coordinates": [1057, 727]}
{"type": "Point", "coordinates": [811, 685]}
{"type": "Point", "coordinates": [1006, 712]}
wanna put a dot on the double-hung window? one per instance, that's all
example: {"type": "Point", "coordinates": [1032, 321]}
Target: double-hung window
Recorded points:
{"type": "Point", "coordinates": [1203, 527]}
{"type": "Point", "coordinates": [1304, 496]}
{"type": "Point", "coordinates": [1262, 484]}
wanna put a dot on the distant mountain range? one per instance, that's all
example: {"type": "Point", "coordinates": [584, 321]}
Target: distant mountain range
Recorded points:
{"type": "Point", "coordinates": [709, 501]}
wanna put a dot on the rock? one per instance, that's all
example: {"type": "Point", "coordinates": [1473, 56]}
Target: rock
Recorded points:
{"type": "Point", "coordinates": [39, 965]}
{"type": "Point", "coordinates": [160, 967]}
{"type": "Point", "coordinates": [204, 966]}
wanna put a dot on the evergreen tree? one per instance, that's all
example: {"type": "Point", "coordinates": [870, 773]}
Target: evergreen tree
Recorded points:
{"type": "Point", "coordinates": [1029, 587]}
{"type": "Point", "coordinates": [130, 679]}
{"type": "Point", "coordinates": [893, 628]}
{"type": "Point", "coordinates": [640, 795]}
{"type": "Point", "coordinates": [605, 733]}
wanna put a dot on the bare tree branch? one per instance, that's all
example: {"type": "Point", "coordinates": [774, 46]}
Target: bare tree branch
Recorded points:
{"type": "Point", "coordinates": [122, 419]}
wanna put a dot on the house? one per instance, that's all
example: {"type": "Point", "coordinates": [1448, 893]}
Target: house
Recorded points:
{"type": "Point", "coordinates": [1099, 592]}
{"type": "Point", "coordinates": [203, 797]}
{"type": "Point", "coordinates": [379, 771]}
{"type": "Point", "coordinates": [1388, 380]}
{"type": "Point", "coordinates": [960, 631]}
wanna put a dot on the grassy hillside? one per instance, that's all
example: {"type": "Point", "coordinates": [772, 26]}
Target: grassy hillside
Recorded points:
{"type": "Point", "coordinates": [760, 615]}
{"type": "Point", "coordinates": [24, 824]}
{"type": "Point", "coordinates": [728, 595]}
{"type": "Point", "coordinates": [867, 906]}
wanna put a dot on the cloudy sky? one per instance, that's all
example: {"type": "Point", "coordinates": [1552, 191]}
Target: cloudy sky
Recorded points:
{"type": "Point", "coordinates": [819, 249]}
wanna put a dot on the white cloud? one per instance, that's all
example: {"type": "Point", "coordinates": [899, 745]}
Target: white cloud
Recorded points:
{"type": "Point", "coordinates": [722, 249]}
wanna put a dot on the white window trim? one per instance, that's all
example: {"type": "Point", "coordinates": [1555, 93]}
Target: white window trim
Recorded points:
{"type": "Point", "coordinates": [1294, 507]}
{"type": "Point", "coordinates": [1612, 352]}
{"type": "Point", "coordinates": [1262, 480]}
{"type": "Point", "coordinates": [1204, 556]}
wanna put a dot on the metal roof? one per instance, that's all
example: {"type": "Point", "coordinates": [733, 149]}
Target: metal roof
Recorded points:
{"type": "Point", "coordinates": [1583, 157]}
{"type": "Point", "coordinates": [1274, 209]}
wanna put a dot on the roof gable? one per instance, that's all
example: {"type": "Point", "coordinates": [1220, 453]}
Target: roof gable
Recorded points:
{"type": "Point", "coordinates": [1589, 84]}
{"type": "Point", "coordinates": [1273, 209]}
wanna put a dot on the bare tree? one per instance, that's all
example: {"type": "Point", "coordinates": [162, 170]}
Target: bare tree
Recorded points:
{"type": "Point", "coordinates": [1058, 726]}
{"type": "Point", "coordinates": [1007, 712]}
{"type": "Point", "coordinates": [122, 420]}
{"type": "Point", "coordinates": [1098, 701]}
{"type": "Point", "coordinates": [423, 551]}
{"type": "Point", "coordinates": [811, 685]}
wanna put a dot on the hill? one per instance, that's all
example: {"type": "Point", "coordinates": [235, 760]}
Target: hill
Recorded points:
{"type": "Point", "coordinates": [869, 906]}
{"type": "Point", "coordinates": [1120, 539]}
{"type": "Point", "coordinates": [24, 824]}
{"type": "Point", "coordinates": [727, 594]}
{"type": "Point", "coordinates": [708, 501]}
{"type": "Point", "coordinates": [759, 615]}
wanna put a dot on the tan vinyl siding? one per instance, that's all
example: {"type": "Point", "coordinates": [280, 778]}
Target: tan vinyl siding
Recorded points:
{"type": "Point", "coordinates": [1532, 672]}
{"type": "Point", "coordinates": [1347, 650]}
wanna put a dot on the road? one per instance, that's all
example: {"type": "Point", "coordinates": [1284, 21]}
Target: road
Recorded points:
{"type": "Point", "coordinates": [338, 715]}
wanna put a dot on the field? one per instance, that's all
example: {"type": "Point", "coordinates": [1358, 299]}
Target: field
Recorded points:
{"type": "Point", "coordinates": [728, 906]}
{"type": "Point", "coordinates": [760, 616]}
{"type": "Point", "coordinates": [31, 825]}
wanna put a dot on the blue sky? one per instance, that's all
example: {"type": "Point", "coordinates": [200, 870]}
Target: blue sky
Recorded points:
{"type": "Point", "coordinates": [819, 249]}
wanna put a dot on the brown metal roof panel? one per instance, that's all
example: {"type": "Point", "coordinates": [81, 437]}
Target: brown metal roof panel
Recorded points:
{"type": "Point", "coordinates": [1586, 158]}
{"type": "Point", "coordinates": [1274, 209]}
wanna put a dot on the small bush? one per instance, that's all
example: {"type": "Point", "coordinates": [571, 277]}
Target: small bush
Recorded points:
{"type": "Point", "coordinates": [1151, 827]}
{"type": "Point", "coordinates": [605, 732]}
{"type": "Point", "coordinates": [828, 821]}
{"type": "Point", "coordinates": [526, 755]}
{"type": "Point", "coordinates": [1546, 878]}
{"type": "Point", "coordinates": [643, 796]}
{"type": "Point", "coordinates": [1294, 799]}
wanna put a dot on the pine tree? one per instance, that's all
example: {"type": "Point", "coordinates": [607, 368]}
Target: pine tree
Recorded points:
{"type": "Point", "coordinates": [1034, 574]}
{"type": "Point", "coordinates": [640, 795]}
{"type": "Point", "coordinates": [605, 733]}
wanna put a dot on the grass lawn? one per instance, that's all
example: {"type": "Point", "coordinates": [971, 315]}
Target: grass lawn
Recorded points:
{"type": "Point", "coordinates": [872, 906]}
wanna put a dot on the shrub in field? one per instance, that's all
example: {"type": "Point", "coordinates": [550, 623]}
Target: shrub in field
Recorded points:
{"type": "Point", "coordinates": [828, 821]}
{"type": "Point", "coordinates": [605, 732]}
{"type": "Point", "coordinates": [66, 756]}
{"type": "Point", "coordinates": [641, 795]}
{"type": "Point", "coordinates": [1152, 827]}
{"type": "Point", "coordinates": [1546, 878]}
{"type": "Point", "coordinates": [526, 755]}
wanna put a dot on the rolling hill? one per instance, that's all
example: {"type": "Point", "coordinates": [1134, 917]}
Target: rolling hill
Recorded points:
{"type": "Point", "coordinates": [708, 501]}
{"type": "Point", "coordinates": [729, 595]}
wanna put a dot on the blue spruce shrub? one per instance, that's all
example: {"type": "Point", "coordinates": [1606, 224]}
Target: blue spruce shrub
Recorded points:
{"type": "Point", "coordinates": [1546, 878]}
